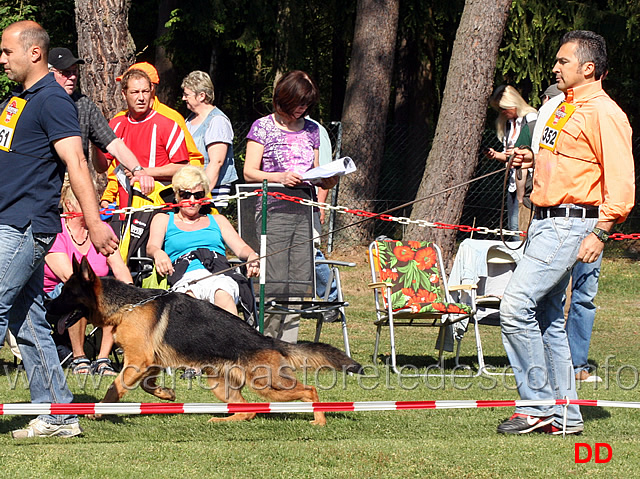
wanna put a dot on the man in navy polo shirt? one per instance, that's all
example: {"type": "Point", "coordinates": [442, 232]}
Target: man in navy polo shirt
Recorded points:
{"type": "Point", "coordinates": [94, 127]}
{"type": "Point", "coordinates": [39, 135]}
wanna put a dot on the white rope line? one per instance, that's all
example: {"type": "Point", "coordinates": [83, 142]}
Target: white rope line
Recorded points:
{"type": "Point", "coordinates": [403, 220]}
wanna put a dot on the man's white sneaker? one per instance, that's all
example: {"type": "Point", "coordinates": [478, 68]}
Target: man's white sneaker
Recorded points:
{"type": "Point", "coordinates": [523, 424]}
{"type": "Point", "coordinates": [585, 377]}
{"type": "Point", "coordinates": [39, 428]}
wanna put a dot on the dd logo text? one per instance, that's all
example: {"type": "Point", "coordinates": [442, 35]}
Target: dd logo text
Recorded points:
{"type": "Point", "coordinates": [588, 452]}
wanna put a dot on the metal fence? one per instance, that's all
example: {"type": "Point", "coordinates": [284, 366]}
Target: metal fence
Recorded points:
{"type": "Point", "coordinates": [406, 151]}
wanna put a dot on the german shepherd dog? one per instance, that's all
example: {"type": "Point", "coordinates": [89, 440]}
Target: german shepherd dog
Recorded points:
{"type": "Point", "coordinates": [158, 329]}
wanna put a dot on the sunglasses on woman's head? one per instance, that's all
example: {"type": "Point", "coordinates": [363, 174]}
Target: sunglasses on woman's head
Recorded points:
{"type": "Point", "coordinates": [185, 195]}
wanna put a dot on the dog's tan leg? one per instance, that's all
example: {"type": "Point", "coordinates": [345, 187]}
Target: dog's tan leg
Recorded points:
{"type": "Point", "coordinates": [310, 394]}
{"type": "Point", "coordinates": [226, 385]}
{"type": "Point", "coordinates": [276, 381]}
{"type": "Point", "coordinates": [291, 392]}
{"type": "Point", "coordinates": [134, 338]}
{"type": "Point", "coordinates": [149, 385]}
{"type": "Point", "coordinates": [126, 380]}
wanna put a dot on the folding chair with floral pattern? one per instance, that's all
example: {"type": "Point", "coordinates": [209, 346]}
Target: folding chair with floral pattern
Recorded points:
{"type": "Point", "coordinates": [410, 289]}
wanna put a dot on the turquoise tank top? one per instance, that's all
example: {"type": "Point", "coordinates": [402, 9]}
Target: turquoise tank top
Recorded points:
{"type": "Point", "coordinates": [178, 242]}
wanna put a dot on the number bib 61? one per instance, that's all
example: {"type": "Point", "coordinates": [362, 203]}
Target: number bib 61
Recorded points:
{"type": "Point", "coordinates": [8, 121]}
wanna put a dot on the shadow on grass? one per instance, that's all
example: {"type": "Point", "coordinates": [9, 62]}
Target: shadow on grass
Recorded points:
{"type": "Point", "coordinates": [428, 361]}
{"type": "Point", "coordinates": [302, 415]}
{"type": "Point", "coordinates": [594, 413]}
{"type": "Point", "coordinates": [16, 422]}
{"type": "Point", "coordinates": [8, 365]}
{"type": "Point", "coordinates": [405, 360]}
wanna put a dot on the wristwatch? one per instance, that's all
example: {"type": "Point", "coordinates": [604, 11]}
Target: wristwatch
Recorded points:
{"type": "Point", "coordinates": [601, 234]}
{"type": "Point", "coordinates": [137, 168]}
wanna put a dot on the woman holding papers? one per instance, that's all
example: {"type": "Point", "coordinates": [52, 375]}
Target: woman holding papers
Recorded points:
{"type": "Point", "coordinates": [514, 126]}
{"type": "Point", "coordinates": [281, 147]}
{"type": "Point", "coordinates": [284, 145]}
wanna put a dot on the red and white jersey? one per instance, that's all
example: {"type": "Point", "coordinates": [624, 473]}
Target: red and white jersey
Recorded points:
{"type": "Point", "coordinates": [156, 140]}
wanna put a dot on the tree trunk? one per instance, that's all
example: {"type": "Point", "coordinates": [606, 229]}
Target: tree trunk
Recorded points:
{"type": "Point", "coordinates": [365, 109]}
{"type": "Point", "coordinates": [107, 49]}
{"type": "Point", "coordinates": [454, 154]}
{"type": "Point", "coordinates": [281, 56]}
{"type": "Point", "coordinates": [168, 89]}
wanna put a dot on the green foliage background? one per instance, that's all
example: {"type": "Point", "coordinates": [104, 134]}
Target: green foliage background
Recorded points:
{"type": "Point", "coordinates": [535, 28]}
{"type": "Point", "coordinates": [13, 11]}
{"type": "Point", "coordinates": [245, 44]}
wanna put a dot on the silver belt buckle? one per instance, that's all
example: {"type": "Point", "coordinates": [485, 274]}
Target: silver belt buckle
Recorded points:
{"type": "Point", "coordinates": [583, 209]}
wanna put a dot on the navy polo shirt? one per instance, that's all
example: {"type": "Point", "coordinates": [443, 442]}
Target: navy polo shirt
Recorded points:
{"type": "Point", "coordinates": [31, 171]}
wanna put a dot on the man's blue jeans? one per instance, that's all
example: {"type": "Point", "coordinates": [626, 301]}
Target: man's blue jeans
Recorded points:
{"type": "Point", "coordinates": [323, 273]}
{"type": "Point", "coordinates": [532, 316]}
{"type": "Point", "coordinates": [582, 312]}
{"type": "Point", "coordinates": [22, 310]}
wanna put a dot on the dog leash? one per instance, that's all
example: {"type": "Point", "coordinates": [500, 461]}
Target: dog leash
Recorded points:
{"type": "Point", "coordinates": [129, 307]}
{"type": "Point", "coordinates": [390, 210]}
{"type": "Point", "coordinates": [504, 194]}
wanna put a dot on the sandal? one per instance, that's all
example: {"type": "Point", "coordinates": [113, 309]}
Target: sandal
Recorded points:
{"type": "Point", "coordinates": [103, 367]}
{"type": "Point", "coordinates": [190, 373]}
{"type": "Point", "coordinates": [80, 365]}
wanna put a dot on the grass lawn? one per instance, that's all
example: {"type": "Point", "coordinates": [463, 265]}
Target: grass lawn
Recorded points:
{"type": "Point", "coordinates": [433, 443]}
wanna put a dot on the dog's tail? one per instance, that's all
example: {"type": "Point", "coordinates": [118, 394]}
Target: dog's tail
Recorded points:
{"type": "Point", "coordinates": [319, 355]}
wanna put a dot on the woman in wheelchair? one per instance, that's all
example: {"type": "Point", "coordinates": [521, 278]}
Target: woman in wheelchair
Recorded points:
{"type": "Point", "coordinates": [189, 245]}
{"type": "Point", "coordinates": [74, 241]}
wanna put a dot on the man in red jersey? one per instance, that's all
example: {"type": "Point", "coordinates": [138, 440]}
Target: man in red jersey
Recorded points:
{"type": "Point", "coordinates": [157, 141]}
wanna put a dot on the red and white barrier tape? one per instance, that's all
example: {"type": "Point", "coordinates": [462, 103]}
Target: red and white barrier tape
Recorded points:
{"type": "Point", "coordinates": [341, 210]}
{"type": "Point", "coordinates": [286, 407]}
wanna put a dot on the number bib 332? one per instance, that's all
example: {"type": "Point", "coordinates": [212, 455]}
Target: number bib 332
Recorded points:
{"type": "Point", "coordinates": [554, 125]}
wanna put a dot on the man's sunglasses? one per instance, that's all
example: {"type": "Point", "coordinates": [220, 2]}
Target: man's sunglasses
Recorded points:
{"type": "Point", "coordinates": [185, 195]}
{"type": "Point", "coordinates": [69, 72]}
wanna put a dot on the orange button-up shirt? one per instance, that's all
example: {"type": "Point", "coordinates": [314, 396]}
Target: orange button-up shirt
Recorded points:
{"type": "Point", "coordinates": [593, 161]}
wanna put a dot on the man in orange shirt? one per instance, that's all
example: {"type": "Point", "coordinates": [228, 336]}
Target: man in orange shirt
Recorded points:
{"type": "Point", "coordinates": [583, 184]}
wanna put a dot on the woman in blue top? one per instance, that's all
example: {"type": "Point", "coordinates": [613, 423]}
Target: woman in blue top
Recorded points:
{"type": "Point", "coordinates": [212, 132]}
{"type": "Point", "coordinates": [175, 238]}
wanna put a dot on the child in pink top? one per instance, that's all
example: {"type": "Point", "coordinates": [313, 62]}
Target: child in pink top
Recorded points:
{"type": "Point", "coordinates": [65, 244]}
{"type": "Point", "coordinates": [72, 242]}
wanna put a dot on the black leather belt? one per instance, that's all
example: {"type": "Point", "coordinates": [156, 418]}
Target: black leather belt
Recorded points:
{"type": "Point", "coordinates": [567, 212]}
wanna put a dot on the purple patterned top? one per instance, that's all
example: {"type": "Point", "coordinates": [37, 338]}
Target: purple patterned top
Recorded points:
{"type": "Point", "coordinates": [285, 150]}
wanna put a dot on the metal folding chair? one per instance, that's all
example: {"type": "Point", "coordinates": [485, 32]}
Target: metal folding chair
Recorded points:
{"type": "Point", "coordinates": [290, 262]}
{"type": "Point", "coordinates": [410, 289]}
{"type": "Point", "coordinates": [488, 265]}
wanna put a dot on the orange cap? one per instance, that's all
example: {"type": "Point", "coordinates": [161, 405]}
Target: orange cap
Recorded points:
{"type": "Point", "coordinates": [148, 68]}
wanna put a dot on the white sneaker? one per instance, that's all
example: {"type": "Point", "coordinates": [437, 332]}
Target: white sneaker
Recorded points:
{"type": "Point", "coordinates": [593, 379]}
{"type": "Point", "coordinates": [332, 316]}
{"type": "Point", "coordinates": [585, 377]}
{"type": "Point", "coordinates": [39, 428]}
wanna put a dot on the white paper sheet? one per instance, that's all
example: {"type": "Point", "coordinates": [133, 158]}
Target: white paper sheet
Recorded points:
{"type": "Point", "coordinates": [339, 167]}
